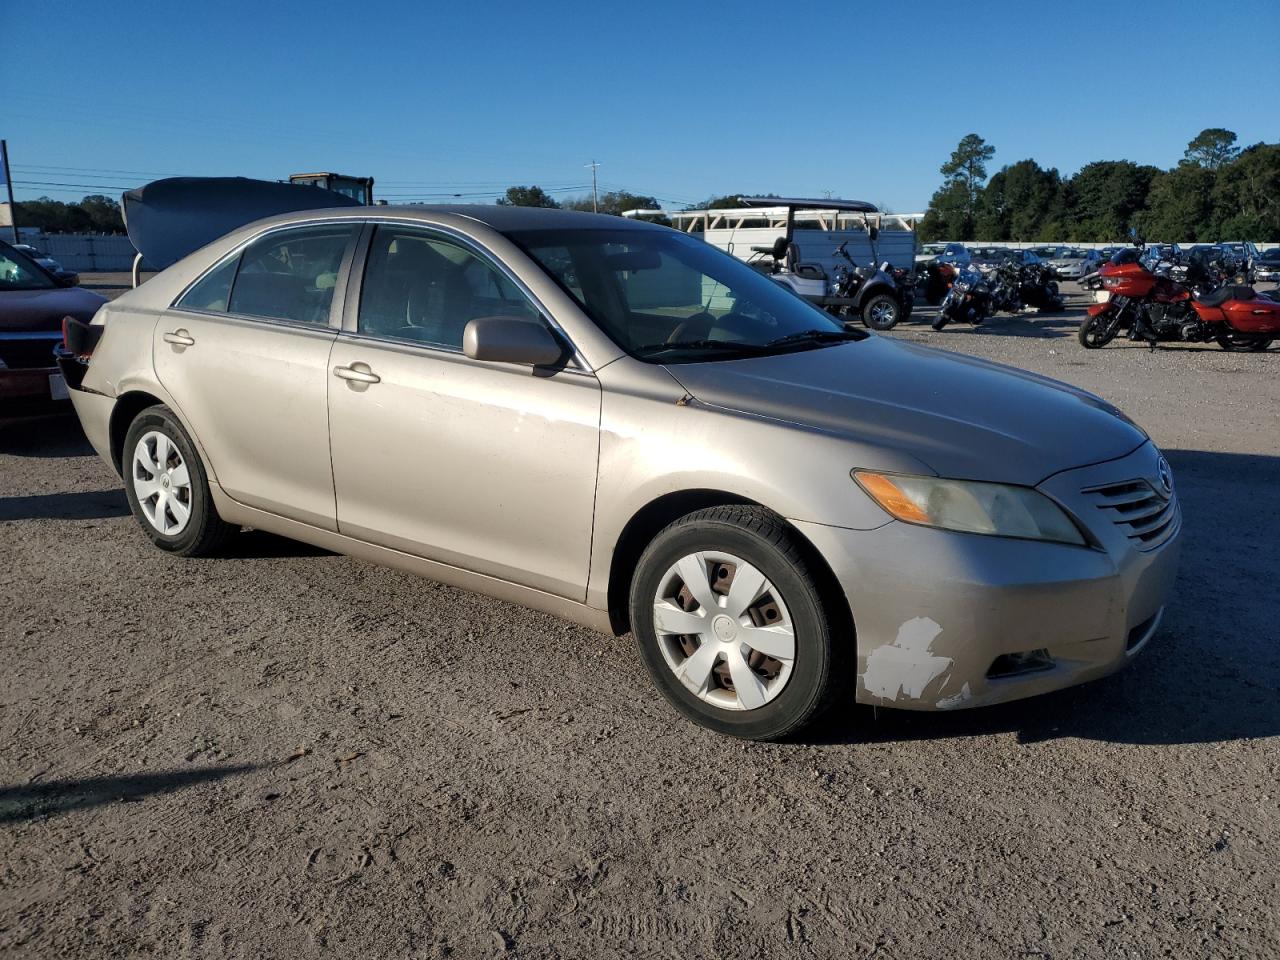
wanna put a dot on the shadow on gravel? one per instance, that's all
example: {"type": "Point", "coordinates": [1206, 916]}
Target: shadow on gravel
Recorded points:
{"type": "Point", "coordinates": [91, 505]}
{"type": "Point", "coordinates": [1209, 675]}
{"type": "Point", "coordinates": [63, 796]}
{"type": "Point", "coordinates": [52, 436]}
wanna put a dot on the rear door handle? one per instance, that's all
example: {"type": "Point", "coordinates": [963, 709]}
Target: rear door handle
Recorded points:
{"type": "Point", "coordinates": [1261, 313]}
{"type": "Point", "coordinates": [179, 338]}
{"type": "Point", "coordinates": [358, 372]}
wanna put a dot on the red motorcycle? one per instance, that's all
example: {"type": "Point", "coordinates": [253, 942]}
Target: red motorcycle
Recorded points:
{"type": "Point", "coordinates": [1155, 307]}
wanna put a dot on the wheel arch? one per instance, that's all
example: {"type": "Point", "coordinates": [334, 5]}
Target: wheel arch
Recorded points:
{"type": "Point", "coordinates": [127, 407]}
{"type": "Point", "coordinates": [655, 515]}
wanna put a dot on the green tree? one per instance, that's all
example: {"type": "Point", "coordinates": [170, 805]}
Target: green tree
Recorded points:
{"type": "Point", "coordinates": [1246, 196]}
{"type": "Point", "coordinates": [946, 219]}
{"type": "Point", "coordinates": [1212, 148]}
{"type": "Point", "coordinates": [1179, 205]}
{"type": "Point", "coordinates": [614, 202]}
{"type": "Point", "coordinates": [1106, 196]}
{"type": "Point", "coordinates": [93, 214]}
{"type": "Point", "coordinates": [953, 209]}
{"type": "Point", "coordinates": [1020, 202]}
{"type": "Point", "coordinates": [526, 197]}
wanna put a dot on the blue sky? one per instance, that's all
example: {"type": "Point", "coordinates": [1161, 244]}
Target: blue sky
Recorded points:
{"type": "Point", "coordinates": [677, 100]}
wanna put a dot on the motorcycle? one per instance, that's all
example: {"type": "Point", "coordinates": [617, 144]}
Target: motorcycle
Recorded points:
{"type": "Point", "coordinates": [937, 279]}
{"type": "Point", "coordinates": [1038, 288]}
{"type": "Point", "coordinates": [968, 300]}
{"type": "Point", "coordinates": [880, 296]}
{"type": "Point", "coordinates": [1181, 305]}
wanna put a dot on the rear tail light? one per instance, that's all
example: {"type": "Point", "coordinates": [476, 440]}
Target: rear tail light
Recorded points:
{"type": "Point", "coordinates": [80, 338]}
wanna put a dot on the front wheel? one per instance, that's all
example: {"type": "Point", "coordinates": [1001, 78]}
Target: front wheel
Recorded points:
{"type": "Point", "coordinates": [1097, 331]}
{"type": "Point", "coordinates": [1243, 342]}
{"type": "Point", "coordinates": [729, 621]}
{"type": "Point", "coordinates": [166, 486]}
{"type": "Point", "coordinates": [881, 312]}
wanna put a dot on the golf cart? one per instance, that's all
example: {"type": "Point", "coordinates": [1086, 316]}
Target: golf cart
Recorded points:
{"type": "Point", "coordinates": [869, 292]}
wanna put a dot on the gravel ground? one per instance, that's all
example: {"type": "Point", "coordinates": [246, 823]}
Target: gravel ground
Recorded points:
{"type": "Point", "coordinates": [289, 753]}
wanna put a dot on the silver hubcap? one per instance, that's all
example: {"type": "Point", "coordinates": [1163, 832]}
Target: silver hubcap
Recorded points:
{"type": "Point", "coordinates": [162, 483]}
{"type": "Point", "coordinates": [883, 313]}
{"type": "Point", "coordinates": [724, 630]}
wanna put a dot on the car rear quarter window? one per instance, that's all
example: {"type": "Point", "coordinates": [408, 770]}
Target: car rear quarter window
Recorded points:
{"type": "Point", "coordinates": [212, 291]}
{"type": "Point", "coordinates": [291, 274]}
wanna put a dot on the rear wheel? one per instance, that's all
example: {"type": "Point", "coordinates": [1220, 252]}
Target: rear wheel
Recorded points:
{"type": "Point", "coordinates": [1243, 342]}
{"type": "Point", "coordinates": [881, 312]}
{"type": "Point", "coordinates": [1097, 331]}
{"type": "Point", "coordinates": [730, 623]}
{"type": "Point", "coordinates": [167, 488]}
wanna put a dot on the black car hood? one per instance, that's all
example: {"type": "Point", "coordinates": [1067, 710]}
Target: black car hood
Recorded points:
{"type": "Point", "coordinates": [169, 219]}
{"type": "Point", "coordinates": [965, 418]}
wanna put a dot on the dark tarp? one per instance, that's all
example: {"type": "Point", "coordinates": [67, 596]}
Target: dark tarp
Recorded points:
{"type": "Point", "coordinates": [168, 219]}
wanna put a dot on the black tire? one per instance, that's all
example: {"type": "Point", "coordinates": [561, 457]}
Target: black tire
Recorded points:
{"type": "Point", "coordinates": [882, 312]}
{"type": "Point", "coordinates": [1243, 342]}
{"type": "Point", "coordinates": [1094, 332]}
{"type": "Point", "coordinates": [939, 321]}
{"type": "Point", "coordinates": [822, 662]}
{"type": "Point", "coordinates": [205, 532]}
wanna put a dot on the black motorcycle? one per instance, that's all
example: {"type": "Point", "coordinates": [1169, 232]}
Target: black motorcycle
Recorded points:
{"type": "Point", "coordinates": [1038, 288]}
{"type": "Point", "coordinates": [873, 294]}
{"type": "Point", "coordinates": [968, 300]}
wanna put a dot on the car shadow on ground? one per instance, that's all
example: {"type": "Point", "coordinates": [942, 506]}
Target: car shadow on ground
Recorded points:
{"type": "Point", "coordinates": [1210, 674]}
{"type": "Point", "coordinates": [56, 435]}
{"type": "Point", "coordinates": [62, 796]}
{"type": "Point", "coordinates": [260, 545]}
{"type": "Point", "coordinates": [88, 505]}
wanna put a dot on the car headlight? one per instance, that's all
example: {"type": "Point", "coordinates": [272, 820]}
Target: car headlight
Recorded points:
{"type": "Point", "coordinates": [995, 509]}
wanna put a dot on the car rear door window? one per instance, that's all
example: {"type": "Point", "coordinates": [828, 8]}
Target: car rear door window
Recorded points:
{"type": "Point", "coordinates": [424, 288]}
{"type": "Point", "coordinates": [290, 274]}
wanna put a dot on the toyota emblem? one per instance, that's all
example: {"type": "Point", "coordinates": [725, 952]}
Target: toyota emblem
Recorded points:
{"type": "Point", "coordinates": [1166, 477]}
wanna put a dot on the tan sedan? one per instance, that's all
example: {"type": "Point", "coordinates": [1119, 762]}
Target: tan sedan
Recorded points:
{"type": "Point", "coordinates": [617, 423]}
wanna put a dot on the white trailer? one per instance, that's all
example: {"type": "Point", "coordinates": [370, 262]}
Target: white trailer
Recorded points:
{"type": "Point", "coordinates": [816, 233]}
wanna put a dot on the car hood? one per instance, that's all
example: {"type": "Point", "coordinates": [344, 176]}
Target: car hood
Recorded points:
{"type": "Point", "coordinates": [23, 310]}
{"type": "Point", "coordinates": [963, 417]}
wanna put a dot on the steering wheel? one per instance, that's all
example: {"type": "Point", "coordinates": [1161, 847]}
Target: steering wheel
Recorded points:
{"type": "Point", "coordinates": [696, 326]}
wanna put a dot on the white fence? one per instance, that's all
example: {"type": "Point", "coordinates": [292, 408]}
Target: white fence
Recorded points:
{"type": "Point", "coordinates": [85, 252]}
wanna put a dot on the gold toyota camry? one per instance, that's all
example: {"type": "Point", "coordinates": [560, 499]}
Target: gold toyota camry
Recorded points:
{"type": "Point", "coordinates": [619, 424]}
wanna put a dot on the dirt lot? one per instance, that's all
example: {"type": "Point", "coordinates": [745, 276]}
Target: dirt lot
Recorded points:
{"type": "Point", "coordinates": [289, 753]}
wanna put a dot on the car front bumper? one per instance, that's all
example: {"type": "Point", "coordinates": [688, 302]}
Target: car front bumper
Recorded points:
{"type": "Point", "coordinates": [948, 620]}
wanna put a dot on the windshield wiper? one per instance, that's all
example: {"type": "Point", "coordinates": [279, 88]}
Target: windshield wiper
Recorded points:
{"type": "Point", "coordinates": [729, 346]}
{"type": "Point", "coordinates": [815, 336]}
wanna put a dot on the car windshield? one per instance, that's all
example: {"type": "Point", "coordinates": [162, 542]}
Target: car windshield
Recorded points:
{"type": "Point", "coordinates": [668, 298]}
{"type": "Point", "coordinates": [17, 272]}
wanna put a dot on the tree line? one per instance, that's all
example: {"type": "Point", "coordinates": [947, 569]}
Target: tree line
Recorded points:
{"type": "Point", "coordinates": [1217, 191]}
{"type": "Point", "coordinates": [93, 214]}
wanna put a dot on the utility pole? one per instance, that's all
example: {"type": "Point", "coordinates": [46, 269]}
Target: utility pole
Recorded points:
{"type": "Point", "coordinates": [8, 185]}
{"type": "Point", "coordinates": [595, 196]}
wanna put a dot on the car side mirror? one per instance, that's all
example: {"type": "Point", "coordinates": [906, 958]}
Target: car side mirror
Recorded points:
{"type": "Point", "coordinates": [511, 340]}
{"type": "Point", "coordinates": [67, 278]}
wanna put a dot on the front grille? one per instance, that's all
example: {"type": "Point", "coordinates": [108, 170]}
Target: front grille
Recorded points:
{"type": "Point", "coordinates": [27, 352]}
{"type": "Point", "coordinates": [1146, 517]}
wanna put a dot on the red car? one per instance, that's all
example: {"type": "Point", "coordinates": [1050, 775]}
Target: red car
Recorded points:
{"type": "Point", "coordinates": [32, 305]}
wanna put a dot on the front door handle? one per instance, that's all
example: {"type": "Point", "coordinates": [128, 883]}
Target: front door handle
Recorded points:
{"type": "Point", "coordinates": [180, 338]}
{"type": "Point", "coordinates": [358, 372]}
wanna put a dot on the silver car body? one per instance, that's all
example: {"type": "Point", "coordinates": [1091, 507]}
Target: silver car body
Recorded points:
{"type": "Point", "coordinates": [541, 489]}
